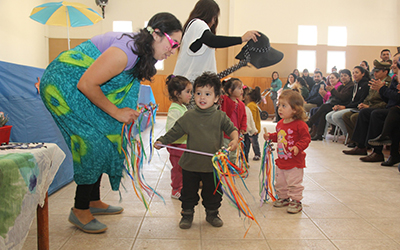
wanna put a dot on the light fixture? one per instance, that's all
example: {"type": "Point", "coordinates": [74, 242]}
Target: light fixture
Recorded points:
{"type": "Point", "coordinates": [102, 4]}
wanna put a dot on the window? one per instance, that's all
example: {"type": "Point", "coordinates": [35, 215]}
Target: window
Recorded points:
{"type": "Point", "coordinates": [337, 36]}
{"type": "Point", "coordinates": [336, 58]}
{"type": "Point", "coordinates": [306, 59]}
{"type": "Point", "coordinates": [122, 26]}
{"type": "Point", "coordinates": [307, 35]}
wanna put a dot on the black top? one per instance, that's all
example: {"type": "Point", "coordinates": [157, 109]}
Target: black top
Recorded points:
{"type": "Point", "coordinates": [213, 41]}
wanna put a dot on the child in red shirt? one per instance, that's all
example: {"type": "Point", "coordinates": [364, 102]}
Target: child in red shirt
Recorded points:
{"type": "Point", "coordinates": [234, 108]}
{"type": "Point", "coordinates": [293, 138]}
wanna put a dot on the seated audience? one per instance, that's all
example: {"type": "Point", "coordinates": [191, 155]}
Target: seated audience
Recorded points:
{"type": "Point", "coordinates": [310, 81]}
{"type": "Point", "coordinates": [373, 100]}
{"type": "Point", "coordinates": [370, 121]}
{"type": "Point", "coordinates": [314, 99]}
{"type": "Point", "coordinates": [341, 96]}
{"type": "Point", "coordinates": [360, 92]}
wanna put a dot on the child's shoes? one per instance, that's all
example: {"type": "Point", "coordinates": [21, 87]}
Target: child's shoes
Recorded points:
{"type": "Point", "coordinates": [256, 158]}
{"type": "Point", "coordinates": [176, 194]}
{"type": "Point", "coordinates": [187, 218]}
{"type": "Point", "coordinates": [212, 217]}
{"type": "Point", "coordinates": [294, 207]}
{"type": "Point", "coordinates": [281, 202]}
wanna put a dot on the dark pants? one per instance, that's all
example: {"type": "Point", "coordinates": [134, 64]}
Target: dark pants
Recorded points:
{"type": "Point", "coordinates": [369, 125]}
{"type": "Point", "coordinates": [319, 117]}
{"type": "Point", "coordinates": [391, 129]}
{"type": "Point", "coordinates": [86, 193]}
{"type": "Point", "coordinates": [247, 143]}
{"type": "Point", "coordinates": [189, 195]}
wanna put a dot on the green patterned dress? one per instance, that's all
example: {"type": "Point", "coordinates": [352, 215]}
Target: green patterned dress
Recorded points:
{"type": "Point", "coordinates": [93, 136]}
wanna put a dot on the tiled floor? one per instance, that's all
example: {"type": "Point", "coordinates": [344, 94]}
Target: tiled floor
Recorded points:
{"type": "Point", "coordinates": [347, 205]}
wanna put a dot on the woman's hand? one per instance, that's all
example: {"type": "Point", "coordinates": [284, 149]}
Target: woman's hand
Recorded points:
{"type": "Point", "coordinates": [251, 34]}
{"type": "Point", "coordinates": [126, 115]}
{"type": "Point", "coordinates": [329, 88]}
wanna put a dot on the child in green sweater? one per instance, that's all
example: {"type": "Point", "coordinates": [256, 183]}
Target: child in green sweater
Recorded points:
{"type": "Point", "coordinates": [204, 126]}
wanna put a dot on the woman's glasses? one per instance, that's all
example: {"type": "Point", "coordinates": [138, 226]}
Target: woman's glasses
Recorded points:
{"type": "Point", "coordinates": [174, 45]}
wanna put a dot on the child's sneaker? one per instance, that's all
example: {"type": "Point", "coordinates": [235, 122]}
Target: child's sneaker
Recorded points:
{"type": "Point", "coordinates": [256, 158]}
{"type": "Point", "coordinates": [294, 207]}
{"type": "Point", "coordinates": [281, 202]}
{"type": "Point", "coordinates": [176, 194]}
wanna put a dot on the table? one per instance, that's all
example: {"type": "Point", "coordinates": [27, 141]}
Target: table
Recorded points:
{"type": "Point", "coordinates": [25, 176]}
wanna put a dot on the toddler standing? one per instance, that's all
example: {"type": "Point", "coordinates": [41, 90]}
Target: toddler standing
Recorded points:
{"type": "Point", "coordinates": [251, 126]}
{"type": "Point", "coordinates": [293, 138]}
{"type": "Point", "coordinates": [254, 97]}
{"type": "Point", "coordinates": [234, 108]}
{"type": "Point", "coordinates": [180, 92]}
{"type": "Point", "coordinates": [204, 126]}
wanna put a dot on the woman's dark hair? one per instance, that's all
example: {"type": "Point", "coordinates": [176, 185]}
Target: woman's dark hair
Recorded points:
{"type": "Point", "coordinates": [295, 77]}
{"type": "Point", "coordinates": [144, 68]}
{"type": "Point", "coordinates": [302, 82]}
{"type": "Point", "coordinates": [336, 74]}
{"type": "Point", "coordinates": [272, 76]}
{"type": "Point", "coordinates": [366, 75]}
{"type": "Point", "coordinates": [208, 79]}
{"type": "Point", "coordinates": [255, 94]}
{"type": "Point", "coordinates": [366, 64]}
{"type": "Point", "coordinates": [205, 10]}
{"type": "Point", "coordinates": [230, 84]}
{"type": "Point", "coordinates": [176, 84]}
{"type": "Point", "coordinates": [347, 72]}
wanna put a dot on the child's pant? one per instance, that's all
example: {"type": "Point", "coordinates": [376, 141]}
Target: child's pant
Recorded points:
{"type": "Point", "coordinates": [247, 144]}
{"type": "Point", "coordinates": [176, 170]}
{"type": "Point", "coordinates": [255, 144]}
{"type": "Point", "coordinates": [289, 183]}
{"type": "Point", "coordinates": [189, 195]}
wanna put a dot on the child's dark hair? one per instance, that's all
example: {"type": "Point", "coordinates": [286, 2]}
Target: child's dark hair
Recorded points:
{"type": "Point", "coordinates": [255, 94]}
{"type": "Point", "coordinates": [230, 84]}
{"type": "Point", "coordinates": [296, 102]}
{"type": "Point", "coordinates": [302, 82]}
{"type": "Point", "coordinates": [208, 79]}
{"type": "Point", "coordinates": [176, 84]}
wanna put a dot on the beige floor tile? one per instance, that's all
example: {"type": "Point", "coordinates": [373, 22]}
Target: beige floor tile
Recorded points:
{"type": "Point", "coordinates": [283, 244]}
{"type": "Point", "coordinates": [349, 229]}
{"type": "Point", "coordinates": [290, 229]}
{"type": "Point", "coordinates": [166, 244]}
{"type": "Point", "coordinates": [243, 244]}
{"type": "Point", "coordinates": [366, 244]}
{"type": "Point", "coordinates": [95, 243]}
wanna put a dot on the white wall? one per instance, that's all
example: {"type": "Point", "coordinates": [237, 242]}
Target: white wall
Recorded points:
{"type": "Point", "coordinates": [369, 22]}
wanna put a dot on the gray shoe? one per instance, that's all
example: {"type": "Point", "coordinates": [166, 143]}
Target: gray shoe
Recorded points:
{"type": "Point", "coordinates": [187, 218]}
{"type": "Point", "coordinates": [213, 218]}
{"type": "Point", "coordinates": [281, 202]}
{"type": "Point", "coordinates": [109, 210]}
{"type": "Point", "coordinates": [93, 227]}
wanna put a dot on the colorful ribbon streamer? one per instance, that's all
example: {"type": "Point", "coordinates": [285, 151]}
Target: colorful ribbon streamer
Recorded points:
{"type": "Point", "coordinates": [267, 174]}
{"type": "Point", "coordinates": [131, 139]}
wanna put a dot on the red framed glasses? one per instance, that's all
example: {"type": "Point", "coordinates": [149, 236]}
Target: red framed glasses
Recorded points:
{"type": "Point", "coordinates": [174, 45]}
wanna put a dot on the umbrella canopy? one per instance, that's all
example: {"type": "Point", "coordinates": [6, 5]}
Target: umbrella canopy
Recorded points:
{"type": "Point", "coordinates": [65, 14]}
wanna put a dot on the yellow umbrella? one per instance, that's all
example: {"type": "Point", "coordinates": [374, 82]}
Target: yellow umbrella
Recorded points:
{"type": "Point", "coordinates": [65, 14]}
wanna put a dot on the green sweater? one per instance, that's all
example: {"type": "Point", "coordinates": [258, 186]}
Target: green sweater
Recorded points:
{"type": "Point", "coordinates": [204, 129]}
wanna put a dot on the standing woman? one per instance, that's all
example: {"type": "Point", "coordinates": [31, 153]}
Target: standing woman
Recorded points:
{"type": "Point", "coordinates": [276, 85]}
{"type": "Point", "coordinates": [197, 53]}
{"type": "Point", "coordinates": [90, 91]}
